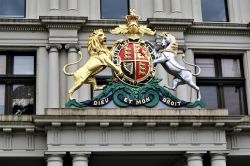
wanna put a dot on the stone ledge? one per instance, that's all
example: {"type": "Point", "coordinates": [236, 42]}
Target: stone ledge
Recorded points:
{"type": "Point", "coordinates": [16, 118]}
{"type": "Point", "coordinates": [135, 112]}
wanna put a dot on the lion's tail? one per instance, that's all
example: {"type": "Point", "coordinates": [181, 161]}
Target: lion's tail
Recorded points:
{"type": "Point", "coordinates": [65, 67]}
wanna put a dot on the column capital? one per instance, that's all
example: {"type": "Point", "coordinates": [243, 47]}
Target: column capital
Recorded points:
{"type": "Point", "coordinates": [54, 45]}
{"type": "Point", "coordinates": [80, 158]}
{"type": "Point", "coordinates": [218, 156]}
{"type": "Point", "coordinates": [72, 45]}
{"type": "Point", "coordinates": [218, 159]}
{"type": "Point", "coordinates": [54, 157]}
{"type": "Point", "coordinates": [194, 156]}
{"type": "Point", "coordinates": [80, 153]}
{"type": "Point", "coordinates": [222, 152]}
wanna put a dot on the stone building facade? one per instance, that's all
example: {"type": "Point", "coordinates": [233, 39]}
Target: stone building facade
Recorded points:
{"type": "Point", "coordinates": [38, 37]}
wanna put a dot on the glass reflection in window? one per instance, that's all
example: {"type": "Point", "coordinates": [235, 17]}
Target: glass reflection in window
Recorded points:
{"type": "Point", "coordinates": [2, 98]}
{"type": "Point", "coordinates": [23, 99]}
{"type": "Point", "coordinates": [230, 67]}
{"type": "Point", "coordinates": [12, 8]}
{"type": "Point", "coordinates": [24, 65]}
{"type": "Point", "coordinates": [232, 100]}
{"type": "Point", "coordinates": [207, 67]}
{"type": "Point", "coordinates": [209, 96]}
{"type": "Point", "coordinates": [114, 9]}
{"type": "Point", "coordinates": [214, 10]}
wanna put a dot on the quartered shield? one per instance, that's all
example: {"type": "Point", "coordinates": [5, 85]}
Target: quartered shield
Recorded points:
{"type": "Point", "coordinates": [135, 59]}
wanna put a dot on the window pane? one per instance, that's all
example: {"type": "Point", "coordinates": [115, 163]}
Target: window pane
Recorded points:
{"type": "Point", "coordinates": [209, 96]}
{"type": "Point", "coordinates": [114, 9]}
{"type": "Point", "coordinates": [2, 64]}
{"type": "Point", "coordinates": [23, 65]}
{"type": "Point", "coordinates": [207, 67]}
{"type": "Point", "coordinates": [14, 8]}
{"type": "Point", "coordinates": [230, 67]}
{"type": "Point", "coordinates": [232, 100]}
{"type": "Point", "coordinates": [214, 10]}
{"type": "Point", "coordinates": [2, 98]}
{"type": "Point", "coordinates": [23, 99]}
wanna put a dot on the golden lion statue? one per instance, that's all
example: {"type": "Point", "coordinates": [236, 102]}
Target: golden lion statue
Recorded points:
{"type": "Point", "coordinates": [100, 58]}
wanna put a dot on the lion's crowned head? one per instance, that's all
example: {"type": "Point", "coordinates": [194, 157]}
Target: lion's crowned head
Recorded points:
{"type": "Point", "coordinates": [97, 41]}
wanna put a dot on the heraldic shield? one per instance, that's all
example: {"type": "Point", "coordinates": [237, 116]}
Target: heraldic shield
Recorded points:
{"type": "Point", "coordinates": [133, 63]}
{"type": "Point", "coordinates": [135, 59]}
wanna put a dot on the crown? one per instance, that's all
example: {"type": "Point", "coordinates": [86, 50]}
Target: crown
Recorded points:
{"type": "Point", "coordinates": [132, 16]}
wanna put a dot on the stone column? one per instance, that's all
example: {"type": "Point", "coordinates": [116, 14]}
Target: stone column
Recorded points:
{"type": "Point", "coordinates": [72, 57]}
{"type": "Point", "coordinates": [42, 80]}
{"type": "Point", "coordinates": [158, 8]}
{"type": "Point", "coordinates": [196, 9]}
{"type": "Point", "coordinates": [72, 7]}
{"type": "Point", "coordinates": [53, 80]}
{"type": "Point", "coordinates": [218, 159]}
{"type": "Point", "coordinates": [80, 159]}
{"type": "Point", "coordinates": [72, 4]}
{"type": "Point", "coordinates": [54, 160]}
{"type": "Point", "coordinates": [189, 57]}
{"type": "Point", "coordinates": [246, 63]}
{"type": "Point", "coordinates": [176, 8]}
{"type": "Point", "coordinates": [54, 6]}
{"type": "Point", "coordinates": [182, 90]}
{"type": "Point", "coordinates": [194, 159]}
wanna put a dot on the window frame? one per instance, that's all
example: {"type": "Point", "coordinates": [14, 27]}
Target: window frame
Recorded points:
{"type": "Point", "coordinates": [10, 79]}
{"type": "Point", "coordinates": [219, 81]}
{"type": "Point", "coordinates": [226, 13]}
{"type": "Point", "coordinates": [101, 15]}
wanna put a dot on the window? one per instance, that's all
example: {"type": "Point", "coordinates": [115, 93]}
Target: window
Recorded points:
{"type": "Point", "coordinates": [114, 9]}
{"type": "Point", "coordinates": [222, 83]}
{"type": "Point", "coordinates": [214, 10]}
{"type": "Point", "coordinates": [17, 83]}
{"type": "Point", "coordinates": [12, 8]}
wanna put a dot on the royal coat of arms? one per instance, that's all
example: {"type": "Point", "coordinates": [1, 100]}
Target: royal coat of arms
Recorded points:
{"type": "Point", "coordinates": [133, 61]}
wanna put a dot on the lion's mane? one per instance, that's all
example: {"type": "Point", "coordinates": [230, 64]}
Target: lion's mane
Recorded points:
{"type": "Point", "coordinates": [94, 44]}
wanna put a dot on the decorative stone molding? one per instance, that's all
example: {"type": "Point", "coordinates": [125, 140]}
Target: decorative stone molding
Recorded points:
{"type": "Point", "coordinates": [12, 24]}
{"type": "Point", "coordinates": [206, 31]}
{"type": "Point", "coordinates": [63, 22]}
{"type": "Point", "coordinates": [167, 24]}
{"type": "Point", "coordinates": [72, 45]}
{"type": "Point", "coordinates": [219, 29]}
{"type": "Point", "coordinates": [57, 46]}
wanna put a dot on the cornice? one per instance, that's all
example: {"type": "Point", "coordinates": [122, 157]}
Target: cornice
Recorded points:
{"type": "Point", "coordinates": [63, 22]}
{"type": "Point", "coordinates": [105, 24]}
{"type": "Point", "coordinates": [182, 117]}
{"type": "Point", "coordinates": [219, 28]}
{"type": "Point", "coordinates": [168, 24]}
{"type": "Point", "coordinates": [13, 24]}
{"type": "Point", "coordinates": [44, 23]}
